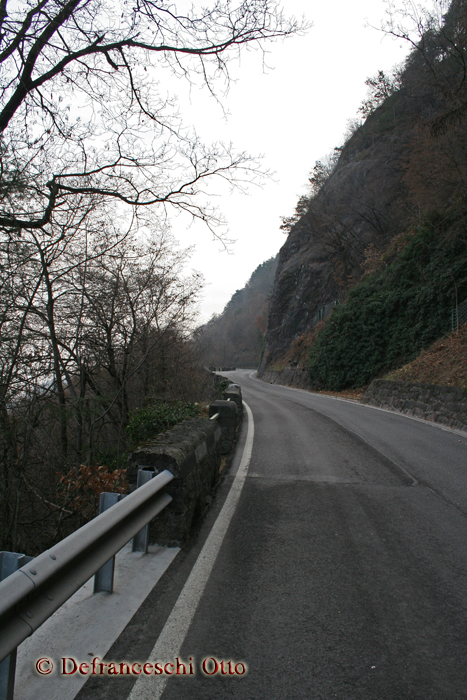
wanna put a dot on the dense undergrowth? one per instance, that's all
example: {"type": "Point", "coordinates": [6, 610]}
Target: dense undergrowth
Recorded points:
{"type": "Point", "coordinates": [396, 311]}
{"type": "Point", "coordinates": [147, 422]}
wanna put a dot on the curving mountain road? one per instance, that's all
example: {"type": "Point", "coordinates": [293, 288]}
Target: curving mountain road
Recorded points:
{"type": "Point", "coordinates": [343, 572]}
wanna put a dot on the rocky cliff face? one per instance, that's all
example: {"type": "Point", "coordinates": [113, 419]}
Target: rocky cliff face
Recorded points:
{"type": "Point", "coordinates": [383, 225]}
{"type": "Point", "coordinates": [361, 205]}
{"type": "Point", "coordinates": [304, 281]}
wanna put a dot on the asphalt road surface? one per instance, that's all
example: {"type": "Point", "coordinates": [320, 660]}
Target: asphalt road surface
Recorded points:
{"type": "Point", "coordinates": [343, 572]}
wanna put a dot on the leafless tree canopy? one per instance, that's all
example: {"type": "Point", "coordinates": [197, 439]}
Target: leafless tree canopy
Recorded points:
{"type": "Point", "coordinates": [437, 35]}
{"type": "Point", "coordinates": [80, 109]}
{"type": "Point", "coordinates": [95, 311]}
{"type": "Point", "coordinates": [93, 325]}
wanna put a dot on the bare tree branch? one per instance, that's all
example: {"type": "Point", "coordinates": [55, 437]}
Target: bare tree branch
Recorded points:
{"type": "Point", "coordinates": [96, 58]}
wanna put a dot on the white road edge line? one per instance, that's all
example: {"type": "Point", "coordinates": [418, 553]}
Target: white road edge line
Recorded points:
{"type": "Point", "coordinates": [446, 428]}
{"type": "Point", "coordinates": [175, 629]}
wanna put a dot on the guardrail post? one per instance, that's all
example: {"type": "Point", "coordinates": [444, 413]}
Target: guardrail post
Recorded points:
{"type": "Point", "coordinates": [7, 676]}
{"type": "Point", "coordinates": [104, 578]}
{"type": "Point", "coordinates": [141, 539]}
{"type": "Point", "coordinates": [61, 570]}
{"type": "Point", "coordinates": [9, 563]}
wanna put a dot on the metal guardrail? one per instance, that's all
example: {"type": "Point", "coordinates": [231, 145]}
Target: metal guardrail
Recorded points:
{"type": "Point", "coordinates": [32, 594]}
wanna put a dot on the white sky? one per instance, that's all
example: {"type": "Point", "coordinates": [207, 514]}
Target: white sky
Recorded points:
{"type": "Point", "coordinates": [293, 114]}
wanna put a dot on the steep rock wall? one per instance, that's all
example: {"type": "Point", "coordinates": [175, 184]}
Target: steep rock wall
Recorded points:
{"type": "Point", "coordinates": [303, 282]}
{"type": "Point", "coordinates": [363, 202]}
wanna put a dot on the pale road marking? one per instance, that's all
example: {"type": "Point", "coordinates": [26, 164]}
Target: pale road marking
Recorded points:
{"type": "Point", "coordinates": [174, 632]}
{"type": "Point", "coordinates": [446, 428]}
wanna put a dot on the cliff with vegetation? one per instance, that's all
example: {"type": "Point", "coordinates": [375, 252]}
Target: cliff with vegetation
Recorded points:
{"type": "Point", "coordinates": [382, 229]}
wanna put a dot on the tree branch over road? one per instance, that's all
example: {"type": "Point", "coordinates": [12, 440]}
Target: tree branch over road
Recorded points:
{"type": "Point", "coordinates": [80, 110]}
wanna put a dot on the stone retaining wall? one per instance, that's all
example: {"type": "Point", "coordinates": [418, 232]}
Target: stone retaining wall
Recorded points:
{"type": "Point", "coordinates": [440, 404]}
{"type": "Point", "coordinates": [229, 420]}
{"type": "Point", "coordinates": [234, 393]}
{"type": "Point", "coordinates": [191, 451]}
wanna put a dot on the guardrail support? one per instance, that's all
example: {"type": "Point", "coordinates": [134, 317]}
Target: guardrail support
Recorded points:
{"type": "Point", "coordinates": [141, 539]}
{"type": "Point", "coordinates": [29, 596]}
{"type": "Point", "coordinates": [7, 676]}
{"type": "Point", "coordinates": [9, 563]}
{"type": "Point", "coordinates": [104, 578]}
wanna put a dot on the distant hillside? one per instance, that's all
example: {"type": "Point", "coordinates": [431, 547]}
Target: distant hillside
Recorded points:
{"type": "Point", "coordinates": [235, 337]}
{"type": "Point", "coordinates": [383, 228]}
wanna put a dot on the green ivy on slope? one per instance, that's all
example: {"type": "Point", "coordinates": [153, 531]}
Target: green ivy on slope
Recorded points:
{"type": "Point", "coordinates": [396, 312]}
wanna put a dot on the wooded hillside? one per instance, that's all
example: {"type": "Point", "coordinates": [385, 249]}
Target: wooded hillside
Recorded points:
{"type": "Point", "coordinates": [235, 337]}
{"type": "Point", "coordinates": [383, 228]}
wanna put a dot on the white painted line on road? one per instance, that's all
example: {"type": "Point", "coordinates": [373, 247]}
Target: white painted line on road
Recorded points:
{"type": "Point", "coordinates": [446, 428]}
{"type": "Point", "coordinates": [175, 630]}
{"type": "Point", "coordinates": [87, 624]}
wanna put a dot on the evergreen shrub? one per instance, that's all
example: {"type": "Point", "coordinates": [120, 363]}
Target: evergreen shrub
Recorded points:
{"type": "Point", "coordinates": [394, 313]}
{"type": "Point", "coordinates": [147, 422]}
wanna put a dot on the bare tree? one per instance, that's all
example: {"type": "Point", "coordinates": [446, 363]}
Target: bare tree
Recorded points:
{"type": "Point", "coordinates": [135, 300]}
{"type": "Point", "coordinates": [89, 315]}
{"type": "Point", "coordinates": [80, 111]}
{"type": "Point", "coordinates": [84, 319]}
{"type": "Point", "coordinates": [438, 60]}
{"type": "Point", "coordinates": [380, 87]}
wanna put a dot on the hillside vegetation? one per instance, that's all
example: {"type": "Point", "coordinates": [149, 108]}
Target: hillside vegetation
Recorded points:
{"type": "Point", "coordinates": [394, 312]}
{"type": "Point", "coordinates": [444, 362]}
{"type": "Point", "coordinates": [383, 227]}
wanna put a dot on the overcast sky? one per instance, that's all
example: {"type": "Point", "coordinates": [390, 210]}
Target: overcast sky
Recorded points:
{"type": "Point", "coordinates": [293, 113]}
